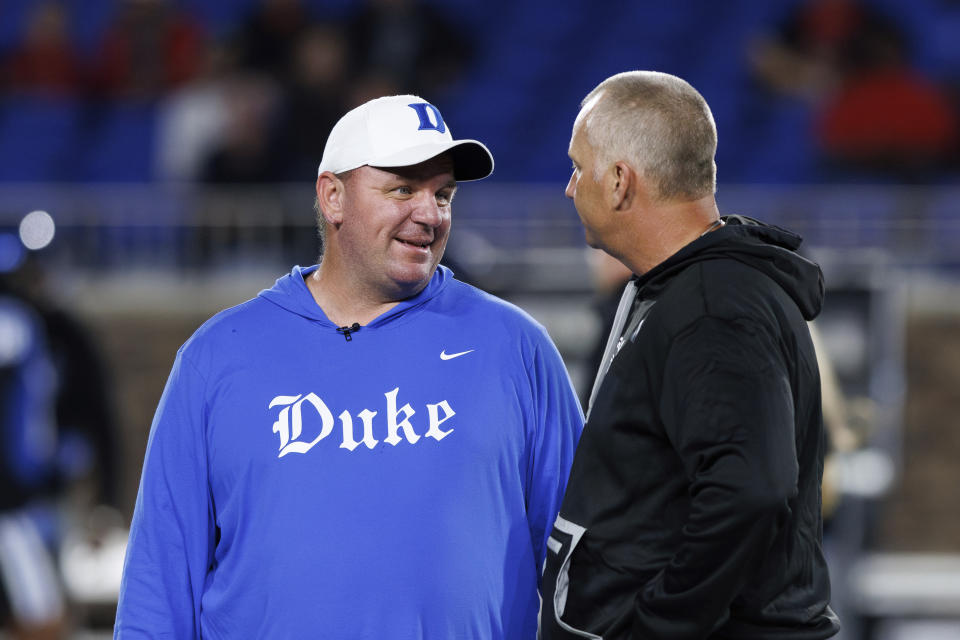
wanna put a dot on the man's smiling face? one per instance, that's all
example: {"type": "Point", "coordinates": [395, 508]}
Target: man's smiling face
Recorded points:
{"type": "Point", "coordinates": [396, 223]}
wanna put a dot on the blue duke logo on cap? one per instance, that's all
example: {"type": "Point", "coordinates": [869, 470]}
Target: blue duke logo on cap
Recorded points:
{"type": "Point", "coordinates": [421, 108]}
{"type": "Point", "coordinates": [399, 131]}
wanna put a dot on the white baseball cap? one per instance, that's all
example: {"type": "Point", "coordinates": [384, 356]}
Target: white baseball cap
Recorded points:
{"type": "Point", "coordinates": [399, 131]}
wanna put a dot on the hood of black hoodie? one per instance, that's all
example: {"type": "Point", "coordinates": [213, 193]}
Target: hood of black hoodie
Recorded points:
{"type": "Point", "coordinates": [764, 247]}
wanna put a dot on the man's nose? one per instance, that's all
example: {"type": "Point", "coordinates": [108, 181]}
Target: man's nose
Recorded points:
{"type": "Point", "coordinates": [571, 189]}
{"type": "Point", "coordinates": [426, 210]}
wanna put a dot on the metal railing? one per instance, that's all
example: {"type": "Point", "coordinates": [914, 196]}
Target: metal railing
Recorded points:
{"type": "Point", "coordinates": [525, 234]}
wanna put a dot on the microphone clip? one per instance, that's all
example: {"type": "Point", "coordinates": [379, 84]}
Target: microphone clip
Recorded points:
{"type": "Point", "coordinates": [345, 331]}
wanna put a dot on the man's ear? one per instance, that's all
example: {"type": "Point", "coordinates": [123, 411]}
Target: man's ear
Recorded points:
{"type": "Point", "coordinates": [330, 194]}
{"type": "Point", "coordinates": [622, 186]}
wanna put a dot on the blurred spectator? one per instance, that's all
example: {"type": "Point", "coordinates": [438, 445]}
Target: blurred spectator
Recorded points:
{"type": "Point", "coordinates": [87, 433]}
{"type": "Point", "coordinates": [149, 48]}
{"type": "Point", "coordinates": [45, 62]}
{"type": "Point", "coordinates": [316, 96]}
{"type": "Point", "coordinates": [192, 119]}
{"type": "Point", "coordinates": [874, 112]}
{"type": "Point", "coordinates": [268, 37]}
{"type": "Point", "coordinates": [31, 599]}
{"type": "Point", "coordinates": [59, 459]}
{"type": "Point", "coordinates": [806, 55]}
{"type": "Point", "coordinates": [410, 42]}
{"type": "Point", "coordinates": [248, 151]}
{"type": "Point", "coordinates": [885, 116]}
{"type": "Point", "coordinates": [838, 420]}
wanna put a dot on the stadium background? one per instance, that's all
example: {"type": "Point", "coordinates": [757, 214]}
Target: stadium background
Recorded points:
{"type": "Point", "coordinates": [177, 164]}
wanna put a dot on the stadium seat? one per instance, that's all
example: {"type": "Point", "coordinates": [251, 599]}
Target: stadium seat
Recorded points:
{"type": "Point", "coordinates": [37, 137]}
{"type": "Point", "coordinates": [119, 143]}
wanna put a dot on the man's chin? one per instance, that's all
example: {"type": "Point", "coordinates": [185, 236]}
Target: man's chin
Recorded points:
{"type": "Point", "coordinates": [412, 281]}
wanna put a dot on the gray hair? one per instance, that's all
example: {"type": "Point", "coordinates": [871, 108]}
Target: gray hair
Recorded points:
{"type": "Point", "coordinates": [661, 126]}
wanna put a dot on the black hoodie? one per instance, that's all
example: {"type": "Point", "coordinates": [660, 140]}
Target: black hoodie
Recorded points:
{"type": "Point", "coordinates": [693, 506]}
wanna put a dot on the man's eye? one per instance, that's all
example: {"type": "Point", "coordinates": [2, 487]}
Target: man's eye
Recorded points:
{"type": "Point", "coordinates": [444, 198]}
{"type": "Point", "coordinates": [404, 190]}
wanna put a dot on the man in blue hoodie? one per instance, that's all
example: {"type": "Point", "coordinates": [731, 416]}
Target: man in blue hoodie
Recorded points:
{"type": "Point", "coordinates": [369, 449]}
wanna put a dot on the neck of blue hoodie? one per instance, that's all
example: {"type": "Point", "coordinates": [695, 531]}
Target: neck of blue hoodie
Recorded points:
{"type": "Point", "coordinates": [291, 293]}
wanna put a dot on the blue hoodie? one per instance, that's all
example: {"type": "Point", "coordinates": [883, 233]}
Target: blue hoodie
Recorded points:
{"type": "Point", "coordinates": [399, 484]}
{"type": "Point", "coordinates": [28, 435]}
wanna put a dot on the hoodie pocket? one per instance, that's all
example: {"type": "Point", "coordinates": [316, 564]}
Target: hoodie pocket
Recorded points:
{"type": "Point", "coordinates": [563, 539]}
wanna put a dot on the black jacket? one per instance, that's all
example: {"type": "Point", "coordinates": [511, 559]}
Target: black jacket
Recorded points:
{"type": "Point", "coordinates": [693, 506]}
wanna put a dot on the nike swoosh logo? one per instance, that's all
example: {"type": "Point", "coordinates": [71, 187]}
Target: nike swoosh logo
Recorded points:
{"type": "Point", "coordinates": [450, 356]}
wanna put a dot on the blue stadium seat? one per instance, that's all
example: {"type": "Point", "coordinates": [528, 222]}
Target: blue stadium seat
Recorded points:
{"type": "Point", "coordinates": [120, 143]}
{"type": "Point", "coordinates": [37, 137]}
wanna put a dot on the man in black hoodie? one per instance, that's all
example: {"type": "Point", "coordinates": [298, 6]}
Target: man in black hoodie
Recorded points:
{"type": "Point", "coordinates": [693, 506]}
